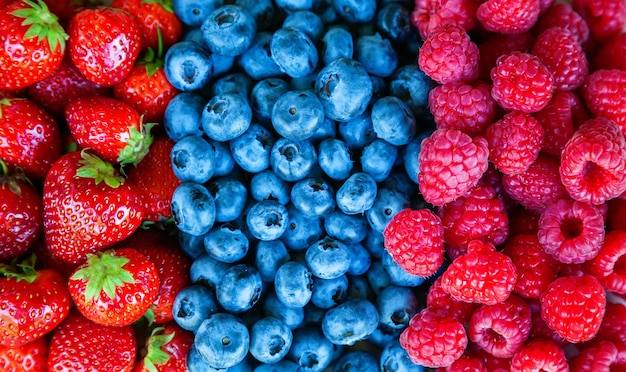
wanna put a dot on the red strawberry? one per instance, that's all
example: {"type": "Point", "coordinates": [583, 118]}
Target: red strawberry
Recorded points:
{"type": "Point", "coordinates": [33, 302]}
{"type": "Point", "coordinates": [31, 357]}
{"type": "Point", "coordinates": [83, 214]}
{"type": "Point", "coordinates": [29, 137]}
{"type": "Point", "coordinates": [110, 127]}
{"type": "Point", "coordinates": [21, 213]}
{"type": "Point", "coordinates": [115, 287]}
{"type": "Point", "coordinates": [32, 43]}
{"type": "Point", "coordinates": [79, 344]}
{"type": "Point", "coordinates": [65, 9]}
{"type": "Point", "coordinates": [166, 349]}
{"type": "Point", "coordinates": [104, 44]}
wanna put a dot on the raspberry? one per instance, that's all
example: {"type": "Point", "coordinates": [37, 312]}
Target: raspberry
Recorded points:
{"type": "Point", "coordinates": [613, 328]}
{"type": "Point", "coordinates": [451, 163]}
{"type": "Point", "coordinates": [458, 105]}
{"type": "Point", "coordinates": [414, 239]}
{"type": "Point", "coordinates": [599, 357]}
{"type": "Point", "coordinates": [609, 266]}
{"type": "Point", "coordinates": [535, 268]}
{"type": "Point", "coordinates": [509, 16]}
{"type": "Point", "coordinates": [539, 328]}
{"type": "Point", "coordinates": [501, 329]}
{"type": "Point", "coordinates": [604, 17]}
{"type": "Point", "coordinates": [492, 363]}
{"type": "Point", "coordinates": [571, 231]}
{"type": "Point", "coordinates": [615, 213]}
{"type": "Point", "coordinates": [564, 16]}
{"type": "Point", "coordinates": [593, 162]}
{"type": "Point", "coordinates": [563, 56]}
{"type": "Point", "coordinates": [496, 45]}
{"type": "Point", "coordinates": [429, 15]}
{"type": "Point", "coordinates": [574, 307]}
{"type": "Point", "coordinates": [467, 363]}
{"type": "Point", "coordinates": [514, 142]}
{"type": "Point", "coordinates": [611, 54]}
{"type": "Point", "coordinates": [538, 186]}
{"type": "Point", "coordinates": [523, 221]}
{"type": "Point", "coordinates": [483, 275]}
{"type": "Point", "coordinates": [493, 178]}
{"type": "Point", "coordinates": [478, 214]}
{"type": "Point", "coordinates": [545, 5]}
{"type": "Point", "coordinates": [521, 82]}
{"type": "Point", "coordinates": [539, 355]}
{"type": "Point", "coordinates": [448, 54]}
{"type": "Point", "coordinates": [604, 92]}
{"type": "Point", "coordinates": [459, 310]}
{"type": "Point", "coordinates": [559, 119]}
{"type": "Point", "coordinates": [434, 339]}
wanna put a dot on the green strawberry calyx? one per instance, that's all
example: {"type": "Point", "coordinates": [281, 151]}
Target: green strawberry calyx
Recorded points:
{"type": "Point", "coordinates": [98, 169]}
{"type": "Point", "coordinates": [104, 272]}
{"type": "Point", "coordinates": [156, 355]}
{"type": "Point", "coordinates": [165, 4]}
{"type": "Point", "coordinates": [43, 24]}
{"type": "Point", "coordinates": [137, 145]}
{"type": "Point", "coordinates": [151, 60]}
{"type": "Point", "coordinates": [4, 102]}
{"type": "Point", "coordinates": [12, 181]}
{"type": "Point", "coordinates": [22, 270]}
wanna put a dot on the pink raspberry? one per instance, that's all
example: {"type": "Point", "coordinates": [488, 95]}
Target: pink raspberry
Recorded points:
{"type": "Point", "coordinates": [414, 239]}
{"type": "Point", "coordinates": [514, 142]}
{"type": "Point", "coordinates": [467, 363]}
{"type": "Point", "coordinates": [501, 329]}
{"type": "Point", "coordinates": [523, 221]}
{"type": "Point", "coordinates": [459, 310]}
{"type": "Point", "coordinates": [540, 355]}
{"type": "Point", "coordinates": [563, 56]}
{"type": "Point", "coordinates": [508, 16]}
{"type": "Point", "coordinates": [599, 357]}
{"type": "Point", "coordinates": [538, 186]}
{"type": "Point", "coordinates": [571, 231]}
{"type": "Point", "coordinates": [615, 214]}
{"type": "Point", "coordinates": [604, 17]}
{"type": "Point", "coordinates": [613, 328]}
{"type": "Point", "coordinates": [564, 16]}
{"type": "Point", "coordinates": [539, 328]}
{"type": "Point", "coordinates": [609, 266]}
{"type": "Point", "coordinates": [535, 268]}
{"type": "Point", "coordinates": [521, 82]}
{"type": "Point", "coordinates": [483, 275]}
{"type": "Point", "coordinates": [493, 179]}
{"type": "Point", "coordinates": [610, 55]}
{"type": "Point", "coordinates": [478, 214]}
{"type": "Point", "coordinates": [492, 363]}
{"type": "Point", "coordinates": [434, 339]}
{"type": "Point", "coordinates": [448, 54]}
{"type": "Point", "coordinates": [545, 5]}
{"type": "Point", "coordinates": [463, 106]}
{"type": "Point", "coordinates": [496, 45]}
{"type": "Point", "coordinates": [574, 307]}
{"type": "Point", "coordinates": [429, 15]}
{"type": "Point", "coordinates": [451, 163]}
{"type": "Point", "coordinates": [593, 162]}
{"type": "Point", "coordinates": [604, 92]}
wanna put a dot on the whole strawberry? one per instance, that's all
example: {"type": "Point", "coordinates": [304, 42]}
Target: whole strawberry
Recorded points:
{"type": "Point", "coordinates": [110, 127]}
{"type": "Point", "coordinates": [104, 44]}
{"type": "Point", "coordinates": [30, 357]}
{"type": "Point", "coordinates": [166, 349]}
{"type": "Point", "coordinates": [32, 43]}
{"type": "Point", "coordinates": [114, 287]}
{"type": "Point", "coordinates": [33, 302]}
{"type": "Point", "coordinates": [87, 207]}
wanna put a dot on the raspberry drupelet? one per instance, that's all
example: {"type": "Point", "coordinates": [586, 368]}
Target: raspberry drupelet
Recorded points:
{"type": "Point", "coordinates": [496, 45]}
{"type": "Point", "coordinates": [508, 16]}
{"type": "Point", "coordinates": [540, 355]}
{"type": "Point", "coordinates": [605, 18]}
{"type": "Point", "coordinates": [459, 310]}
{"type": "Point", "coordinates": [564, 16]}
{"type": "Point", "coordinates": [599, 357]}
{"type": "Point", "coordinates": [604, 92]}
{"type": "Point", "coordinates": [609, 266]}
{"type": "Point", "coordinates": [429, 15]}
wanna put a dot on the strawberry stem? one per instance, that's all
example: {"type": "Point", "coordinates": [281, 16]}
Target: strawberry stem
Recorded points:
{"type": "Point", "coordinates": [24, 270]}
{"type": "Point", "coordinates": [165, 4]}
{"type": "Point", "coordinates": [156, 355]}
{"type": "Point", "coordinates": [98, 169]}
{"type": "Point", "coordinates": [104, 272]}
{"type": "Point", "coordinates": [137, 145]}
{"type": "Point", "coordinates": [43, 24]}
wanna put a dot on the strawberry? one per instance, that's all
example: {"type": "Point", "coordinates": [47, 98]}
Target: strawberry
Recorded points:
{"type": "Point", "coordinates": [87, 207]}
{"type": "Point", "coordinates": [33, 302]}
{"type": "Point", "coordinates": [110, 127]}
{"type": "Point", "coordinates": [31, 357]}
{"type": "Point", "coordinates": [155, 180]}
{"type": "Point", "coordinates": [166, 349]}
{"type": "Point", "coordinates": [104, 44]}
{"type": "Point", "coordinates": [29, 137]}
{"type": "Point", "coordinates": [32, 43]}
{"type": "Point", "coordinates": [115, 287]}
{"type": "Point", "coordinates": [21, 214]}
{"type": "Point", "coordinates": [79, 344]}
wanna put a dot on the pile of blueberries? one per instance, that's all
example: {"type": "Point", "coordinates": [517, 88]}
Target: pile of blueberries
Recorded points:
{"type": "Point", "coordinates": [297, 137]}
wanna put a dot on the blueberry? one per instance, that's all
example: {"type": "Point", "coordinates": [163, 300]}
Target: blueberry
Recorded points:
{"type": "Point", "coordinates": [270, 340]}
{"type": "Point", "coordinates": [266, 185]}
{"type": "Point", "coordinates": [328, 258]}
{"type": "Point", "coordinates": [297, 114]}
{"type": "Point", "coordinates": [192, 305]}
{"type": "Point", "coordinates": [310, 349]}
{"type": "Point", "coordinates": [360, 259]}
{"type": "Point", "coordinates": [269, 256]}
{"type": "Point", "coordinates": [376, 54]}
{"type": "Point", "coordinates": [281, 366]}
{"type": "Point", "coordinates": [378, 159]}
{"type": "Point", "coordinates": [344, 88]}
{"type": "Point", "coordinates": [274, 307]}
{"type": "Point", "coordinates": [252, 149]}
{"type": "Point", "coordinates": [207, 271]}
{"type": "Point", "coordinates": [357, 132]}
{"type": "Point", "coordinates": [229, 30]}
{"type": "Point", "coordinates": [412, 85]}
{"type": "Point", "coordinates": [293, 52]}
{"type": "Point", "coordinates": [230, 198]}
{"type": "Point", "coordinates": [374, 242]}
{"type": "Point", "coordinates": [194, 12]}
{"type": "Point", "coordinates": [221, 64]}
{"type": "Point", "coordinates": [224, 162]}
{"type": "Point", "coordinates": [355, 11]}
{"type": "Point", "coordinates": [302, 230]}
{"type": "Point", "coordinates": [410, 156]}
{"type": "Point", "coordinates": [350, 229]}
{"type": "Point", "coordinates": [396, 306]}
{"type": "Point", "coordinates": [226, 116]}
{"type": "Point", "coordinates": [329, 293]}
{"type": "Point", "coordinates": [226, 243]}
{"type": "Point", "coordinates": [380, 88]}
{"type": "Point", "coordinates": [195, 362]}
{"type": "Point", "coordinates": [295, 5]}
{"type": "Point", "coordinates": [357, 360]}
{"type": "Point", "coordinates": [395, 359]}
{"type": "Point", "coordinates": [357, 194]}
{"type": "Point", "coordinates": [191, 245]}
{"type": "Point", "coordinates": [263, 11]}
{"type": "Point", "coordinates": [182, 116]}
{"type": "Point", "coordinates": [267, 220]}
{"type": "Point", "coordinates": [188, 66]}
{"type": "Point", "coordinates": [313, 314]}
{"type": "Point", "coordinates": [306, 21]}
{"type": "Point", "coordinates": [383, 336]}
{"type": "Point", "coordinates": [393, 121]}
{"type": "Point", "coordinates": [193, 159]}
{"type": "Point", "coordinates": [240, 288]}
{"type": "Point", "coordinates": [293, 284]}
{"type": "Point", "coordinates": [292, 160]}
{"type": "Point", "coordinates": [358, 287]}
{"type": "Point", "coordinates": [232, 83]}
{"type": "Point", "coordinates": [264, 95]}
{"type": "Point", "coordinates": [393, 21]}
{"type": "Point", "coordinates": [337, 43]}
{"type": "Point", "coordinates": [328, 129]}
{"type": "Point", "coordinates": [314, 197]}
{"type": "Point", "coordinates": [193, 208]}
{"type": "Point", "coordinates": [334, 158]}
{"type": "Point", "coordinates": [222, 340]}
{"type": "Point", "coordinates": [257, 60]}
{"type": "Point", "coordinates": [399, 180]}
{"type": "Point", "coordinates": [387, 204]}
{"type": "Point", "coordinates": [377, 277]}
{"type": "Point", "coordinates": [398, 275]}
{"type": "Point", "coordinates": [350, 322]}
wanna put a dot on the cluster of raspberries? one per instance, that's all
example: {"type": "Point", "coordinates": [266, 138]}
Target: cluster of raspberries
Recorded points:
{"type": "Point", "coordinates": [526, 173]}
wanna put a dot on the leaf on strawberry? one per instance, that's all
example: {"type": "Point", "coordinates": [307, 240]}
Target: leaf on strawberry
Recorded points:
{"type": "Point", "coordinates": [104, 272]}
{"type": "Point", "coordinates": [43, 24]}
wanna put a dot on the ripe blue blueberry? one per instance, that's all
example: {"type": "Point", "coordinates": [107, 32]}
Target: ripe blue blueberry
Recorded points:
{"type": "Point", "coordinates": [387, 204]}
{"type": "Point", "coordinates": [222, 340]}
{"type": "Point", "coordinates": [374, 242]}
{"type": "Point", "coordinates": [194, 12]}
{"type": "Point", "coordinates": [378, 159]}
{"type": "Point", "coordinates": [306, 21]}
{"type": "Point", "coordinates": [328, 129]}
{"type": "Point", "coordinates": [313, 197]}
{"type": "Point", "coordinates": [377, 277]}
{"type": "Point", "coordinates": [328, 258]}
{"type": "Point", "coordinates": [191, 245]}
{"type": "Point", "coordinates": [281, 366]}
{"type": "Point", "coordinates": [188, 66]}
{"type": "Point", "coordinates": [410, 155]}
{"type": "Point", "coordinates": [350, 322]}
{"type": "Point", "coordinates": [182, 116]}
{"type": "Point", "coordinates": [207, 271]}
{"type": "Point", "coordinates": [267, 220]}
{"type": "Point", "coordinates": [226, 243]}
{"type": "Point", "coordinates": [329, 293]}
{"type": "Point", "coordinates": [270, 340]}
{"type": "Point", "coordinates": [310, 349]}
{"type": "Point", "coordinates": [358, 287]}
{"type": "Point", "coordinates": [294, 52]}
{"type": "Point", "coordinates": [229, 30]}
{"type": "Point", "coordinates": [252, 149]}
{"type": "Point", "coordinates": [334, 158]}
{"type": "Point", "coordinates": [263, 11]}
{"type": "Point", "coordinates": [230, 197]}
{"type": "Point", "coordinates": [193, 208]}
{"type": "Point", "coordinates": [357, 194]}
{"type": "Point", "coordinates": [293, 284]}
{"type": "Point", "coordinates": [292, 160]}
{"type": "Point", "coordinates": [226, 116]}
{"type": "Point", "coordinates": [357, 132]}
{"type": "Point", "coordinates": [232, 83]}
{"type": "Point", "coordinates": [412, 86]}
{"type": "Point", "coordinates": [192, 305]}
{"type": "Point", "coordinates": [398, 275]}
{"type": "Point", "coordinates": [224, 162]}
{"type": "Point", "coordinates": [349, 228]}
{"type": "Point", "coordinates": [264, 95]}
{"type": "Point", "coordinates": [269, 256]}
{"type": "Point", "coordinates": [355, 11]}
{"type": "Point", "coordinates": [193, 159]}
{"type": "Point", "coordinates": [360, 259]}
{"type": "Point", "coordinates": [240, 288]}
{"type": "Point", "coordinates": [337, 43]}
{"type": "Point", "coordinates": [393, 121]}
{"type": "Point", "coordinates": [297, 114]}
{"type": "Point", "coordinates": [396, 306]}
{"type": "Point", "coordinates": [257, 60]}
{"type": "Point", "coordinates": [195, 362]}
{"type": "Point", "coordinates": [376, 54]}
{"type": "Point", "coordinates": [395, 358]}
{"type": "Point", "coordinates": [273, 307]}
{"type": "Point", "coordinates": [357, 360]}
{"type": "Point", "coordinates": [266, 185]}
{"type": "Point", "coordinates": [302, 230]}
{"type": "Point", "coordinates": [393, 21]}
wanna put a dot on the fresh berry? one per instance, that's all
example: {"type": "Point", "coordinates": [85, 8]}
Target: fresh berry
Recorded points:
{"type": "Point", "coordinates": [593, 162]}
{"type": "Point", "coordinates": [429, 15]}
{"type": "Point", "coordinates": [438, 298]}
{"type": "Point", "coordinates": [483, 275]}
{"type": "Point", "coordinates": [564, 16]}
{"type": "Point", "coordinates": [611, 54]}
{"type": "Point", "coordinates": [166, 349]}
{"type": "Point", "coordinates": [574, 307]}
{"type": "Point", "coordinates": [539, 355]}
{"type": "Point", "coordinates": [604, 17]}
{"type": "Point", "coordinates": [448, 54]}
{"type": "Point", "coordinates": [467, 363]}
{"type": "Point", "coordinates": [451, 163]}
{"type": "Point", "coordinates": [612, 327]}
{"type": "Point", "coordinates": [608, 265]}
{"type": "Point", "coordinates": [492, 363]}
{"type": "Point", "coordinates": [511, 17]}
{"type": "Point", "coordinates": [30, 357]}
{"type": "Point", "coordinates": [604, 93]}
{"type": "Point", "coordinates": [601, 356]}
{"type": "Point", "coordinates": [495, 45]}
{"type": "Point", "coordinates": [521, 82]}
{"type": "Point", "coordinates": [414, 238]}
{"type": "Point", "coordinates": [523, 221]}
